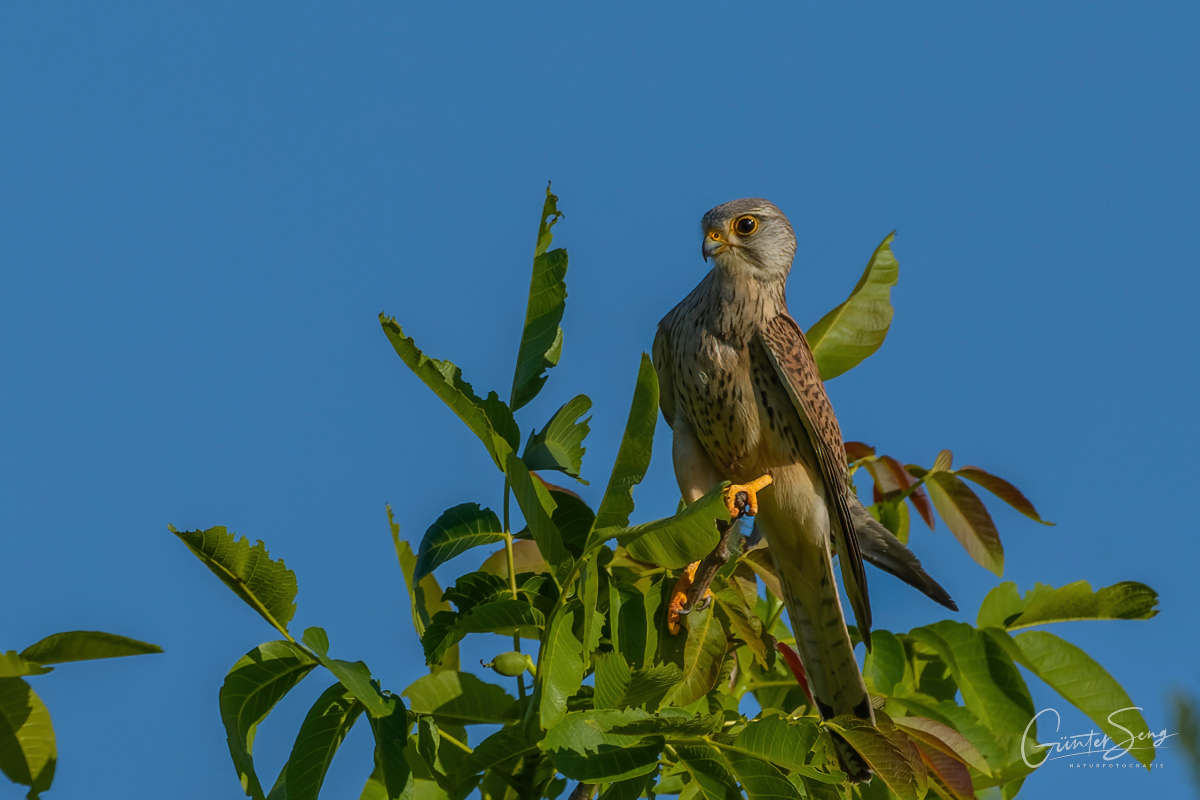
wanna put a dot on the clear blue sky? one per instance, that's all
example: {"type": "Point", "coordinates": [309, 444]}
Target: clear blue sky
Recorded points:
{"type": "Point", "coordinates": [203, 210]}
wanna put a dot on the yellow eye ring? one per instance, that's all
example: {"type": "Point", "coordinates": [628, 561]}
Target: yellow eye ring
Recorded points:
{"type": "Point", "coordinates": [745, 225]}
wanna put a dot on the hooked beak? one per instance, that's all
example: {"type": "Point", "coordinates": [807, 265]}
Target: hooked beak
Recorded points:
{"type": "Point", "coordinates": [711, 247]}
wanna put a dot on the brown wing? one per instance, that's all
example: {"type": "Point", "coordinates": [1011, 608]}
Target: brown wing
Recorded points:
{"type": "Point", "coordinates": [793, 360]}
{"type": "Point", "coordinates": [661, 355]}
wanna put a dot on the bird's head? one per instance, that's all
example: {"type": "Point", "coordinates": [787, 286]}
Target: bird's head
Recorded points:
{"type": "Point", "coordinates": [749, 237]}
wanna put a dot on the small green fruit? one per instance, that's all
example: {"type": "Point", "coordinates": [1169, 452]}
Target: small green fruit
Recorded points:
{"type": "Point", "coordinates": [511, 664]}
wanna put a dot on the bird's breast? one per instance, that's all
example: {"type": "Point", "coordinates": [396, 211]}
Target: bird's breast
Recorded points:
{"type": "Point", "coordinates": [714, 388]}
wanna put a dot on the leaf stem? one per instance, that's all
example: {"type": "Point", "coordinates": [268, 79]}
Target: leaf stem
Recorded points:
{"type": "Point", "coordinates": [460, 745]}
{"type": "Point", "coordinates": [512, 578]}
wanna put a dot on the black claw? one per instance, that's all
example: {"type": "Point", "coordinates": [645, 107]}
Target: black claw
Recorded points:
{"type": "Point", "coordinates": [704, 603]}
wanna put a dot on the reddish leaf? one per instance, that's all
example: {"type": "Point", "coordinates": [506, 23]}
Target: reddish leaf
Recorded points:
{"type": "Point", "coordinates": [944, 738]}
{"type": "Point", "coordinates": [967, 518]}
{"type": "Point", "coordinates": [1002, 489]}
{"type": "Point", "coordinates": [949, 772]}
{"type": "Point", "coordinates": [792, 658]}
{"type": "Point", "coordinates": [857, 450]}
{"type": "Point", "coordinates": [890, 476]}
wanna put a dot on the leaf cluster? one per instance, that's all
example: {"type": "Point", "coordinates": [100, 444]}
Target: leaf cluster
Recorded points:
{"type": "Point", "coordinates": [589, 685]}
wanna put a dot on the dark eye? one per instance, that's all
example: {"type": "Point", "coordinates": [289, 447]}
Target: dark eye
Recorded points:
{"type": "Point", "coordinates": [745, 226]}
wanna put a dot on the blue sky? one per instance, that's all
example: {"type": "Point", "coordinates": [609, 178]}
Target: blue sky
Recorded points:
{"type": "Point", "coordinates": [204, 209]}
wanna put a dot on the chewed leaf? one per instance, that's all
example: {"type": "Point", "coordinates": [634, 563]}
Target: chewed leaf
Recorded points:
{"type": "Point", "coordinates": [541, 339]}
{"type": "Point", "coordinates": [854, 330]}
{"type": "Point", "coordinates": [559, 446]}
{"type": "Point", "coordinates": [265, 584]}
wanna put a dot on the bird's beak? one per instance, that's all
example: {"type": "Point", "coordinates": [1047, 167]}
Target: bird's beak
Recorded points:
{"type": "Point", "coordinates": [712, 247]}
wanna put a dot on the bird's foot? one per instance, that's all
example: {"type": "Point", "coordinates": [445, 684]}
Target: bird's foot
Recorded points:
{"type": "Point", "coordinates": [742, 498]}
{"type": "Point", "coordinates": [691, 590]}
{"type": "Point", "coordinates": [679, 598]}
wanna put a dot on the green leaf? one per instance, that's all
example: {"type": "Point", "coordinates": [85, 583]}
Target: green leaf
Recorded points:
{"type": "Point", "coordinates": [253, 686]}
{"type": "Point", "coordinates": [609, 764]}
{"type": "Point", "coordinates": [503, 616]}
{"type": "Point", "coordinates": [424, 595]}
{"type": "Point", "coordinates": [541, 339]}
{"type": "Point", "coordinates": [589, 591]}
{"type": "Point", "coordinates": [391, 739]}
{"type": "Point", "coordinates": [459, 698]}
{"type": "Point", "coordinates": [28, 753]}
{"type": "Point", "coordinates": [884, 665]}
{"type": "Point", "coordinates": [1005, 608]}
{"type": "Point", "coordinates": [1086, 685]}
{"type": "Point", "coordinates": [854, 330]}
{"type": "Point", "coordinates": [587, 731]}
{"type": "Point", "coordinates": [1002, 489]}
{"type": "Point", "coordinates": [650, 685]}
{"type": "Point", "coordinates": [428, 739]}
{"type": "Point", "coordinates": [710, 772]}
{"type": "Point", "coordinates": [266, 585]}
{"type": "Point", "coordinates": [503, 745]}
{"type": "Point", "coordinates": [456, 531]}
{"type": "Point", "coordinates": [894, 516]}
{"type": "Point", "coordinates": [967, 518]}
{"type": "Point", "coordinates": [489, 419]}
{"type": "Point", "coordinates": [477, 588]}
{"type": "Point", "coordinates": [746, 624]}
{"type": "Point", "coordinates": [320, 735]}
{"type": "Point", "coordinates": [687, 537]}
{"type": "Point", "coordinates": [633, 457]}
{"type": "Point", "coordinates": [353, 675]}
{"type": "Point", "coordinates": [13, 666]}
{"type": "Point", "coordinates": [892, 757]}
{"type": "Point", "coordinates": [612, 680]}
{"type": "Point", "coordinates": [702, 656]}
{"type": "Point", "coordinates": [760, 779]}
{"type": "Point", "coordinates": [536, 506]}
{"type": "Point", "coordinates": [992, 688]}
{"type": "Point", "coordinates": [560, 667]}
{"type": "Point", "coordinates": [84, 646]}
{"type": "Point", "coordinates": [559, 446]}
{"type": "Point", "coordinates": [781, 741]}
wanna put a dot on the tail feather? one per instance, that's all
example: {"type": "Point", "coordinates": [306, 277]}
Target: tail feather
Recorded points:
{"type": "Point", "coordinates": [881, 548]}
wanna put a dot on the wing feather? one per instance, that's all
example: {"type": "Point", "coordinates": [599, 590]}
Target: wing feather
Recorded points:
{"type": "Point", "coordinates": [793, 360]}
{"type": "Point", "coordinates": [661, 356]}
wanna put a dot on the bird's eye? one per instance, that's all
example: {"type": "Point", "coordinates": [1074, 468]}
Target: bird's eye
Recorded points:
{"type": "Point", "coordinates": [745, 226]}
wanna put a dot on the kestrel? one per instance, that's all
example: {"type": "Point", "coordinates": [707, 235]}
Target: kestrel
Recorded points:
{"type": "Point", "coordinates": [743, 396]}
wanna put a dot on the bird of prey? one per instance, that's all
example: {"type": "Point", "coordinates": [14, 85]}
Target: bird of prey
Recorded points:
{"type": "Point", "coordinates": [742, 394]}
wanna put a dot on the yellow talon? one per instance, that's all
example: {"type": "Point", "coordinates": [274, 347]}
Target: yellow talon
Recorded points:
{"type": "Point", "coordinates": [679, 597]}
{"type": "Point", "coordinates": [749, 498]}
